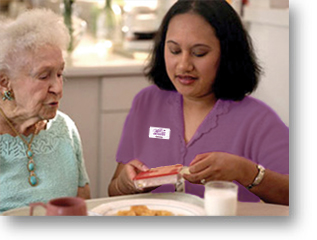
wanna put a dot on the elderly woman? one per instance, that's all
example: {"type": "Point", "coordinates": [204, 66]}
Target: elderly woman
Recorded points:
{"type": "Point", "coordinates": [203, 68]}
{"type": "Point", "coordinates": [41, 155]}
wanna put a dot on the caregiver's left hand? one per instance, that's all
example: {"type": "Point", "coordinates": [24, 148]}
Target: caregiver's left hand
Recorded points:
{"type": "Point", "coordinates": [216, 166]}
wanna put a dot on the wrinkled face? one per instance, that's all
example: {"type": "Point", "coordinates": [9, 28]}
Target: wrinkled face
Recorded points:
{"type": "Point", "coordinates": [38, 83]}
{"type": "Point", "coordinates": [192, 55]}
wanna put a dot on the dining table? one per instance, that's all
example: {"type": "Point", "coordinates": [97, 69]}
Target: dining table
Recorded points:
{"type": "Point", "coordinates": [243, 208]}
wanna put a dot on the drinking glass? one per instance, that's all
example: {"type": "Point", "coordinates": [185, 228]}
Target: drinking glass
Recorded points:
{"type": "Point", "coordinates": [221, 198]}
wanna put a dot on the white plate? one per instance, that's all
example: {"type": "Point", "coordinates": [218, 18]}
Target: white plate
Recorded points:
{"type": "Point", "coordinates": [178, 208]}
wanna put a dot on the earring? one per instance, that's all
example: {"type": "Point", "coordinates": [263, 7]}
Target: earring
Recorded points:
{"type": "Point", "coordinates": [7, 95]}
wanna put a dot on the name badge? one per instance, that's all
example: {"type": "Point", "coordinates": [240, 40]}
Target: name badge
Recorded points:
{"type": "Point", "coordinates": [158, 132]}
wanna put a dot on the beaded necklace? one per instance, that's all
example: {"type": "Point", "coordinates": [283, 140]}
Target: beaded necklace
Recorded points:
{"type": "Point", "coordinates": [33, 180]}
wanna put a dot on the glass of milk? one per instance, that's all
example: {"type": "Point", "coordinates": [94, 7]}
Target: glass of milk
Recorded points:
{"type": "Point", "coordinates": [221, 198]}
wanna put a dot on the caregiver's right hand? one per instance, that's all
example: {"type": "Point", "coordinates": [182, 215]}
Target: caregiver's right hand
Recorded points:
{"type": "Point", "coordinates": [123, 183]}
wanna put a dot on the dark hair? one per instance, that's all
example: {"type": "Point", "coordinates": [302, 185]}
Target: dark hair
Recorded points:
{"type": "Point", "coordinates": [238, 71]}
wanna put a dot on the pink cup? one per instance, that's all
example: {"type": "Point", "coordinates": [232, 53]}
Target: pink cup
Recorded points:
{"type": "Point", "coordinates": [66, 206]}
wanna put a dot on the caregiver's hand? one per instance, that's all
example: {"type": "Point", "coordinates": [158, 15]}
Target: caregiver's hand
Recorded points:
{"type": "Point", "coordinates": [220, 166]}
{"type": "Point", "coordinates": [123, 182]}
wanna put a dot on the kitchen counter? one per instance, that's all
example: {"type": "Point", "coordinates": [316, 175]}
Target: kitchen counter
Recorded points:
{"type": "Point", "coordinates": [90, 59]}
{"type": "Point", "coordinates": [92, 66]}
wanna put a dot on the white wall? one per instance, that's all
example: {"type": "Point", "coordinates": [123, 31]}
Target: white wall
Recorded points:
{"type": "Point", "coordinates": [269, 30]}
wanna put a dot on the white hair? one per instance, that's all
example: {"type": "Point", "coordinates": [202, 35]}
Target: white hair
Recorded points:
{"type": "Point", "coordinates": [31, 30]}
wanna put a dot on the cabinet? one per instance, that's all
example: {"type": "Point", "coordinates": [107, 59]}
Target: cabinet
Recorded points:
{"type": "Point", "coordinates": [81, 102]}
{"type": "Point", "coordinates": [117, 96]}
{"type": "Point", "coordinates": [98, 100]}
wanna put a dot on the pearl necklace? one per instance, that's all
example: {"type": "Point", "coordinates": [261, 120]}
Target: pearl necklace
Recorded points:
{"type": "Point", "coordinates": [33, 180]}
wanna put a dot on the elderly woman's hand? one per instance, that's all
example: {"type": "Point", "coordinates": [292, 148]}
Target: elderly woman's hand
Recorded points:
{"type": "Point", "coordinates": [218, 166]}
{"type": "Point", "coordinates": [124, 182]}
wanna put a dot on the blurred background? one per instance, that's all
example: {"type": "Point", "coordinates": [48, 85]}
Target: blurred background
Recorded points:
{"type": "Point", "coordinates": [121, 22]}
{"type": "Point", "coordinates": [110, 46]}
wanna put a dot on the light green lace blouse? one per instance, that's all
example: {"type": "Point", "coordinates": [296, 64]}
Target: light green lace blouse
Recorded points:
{"type": "Point", "coordinates": [60, 166]}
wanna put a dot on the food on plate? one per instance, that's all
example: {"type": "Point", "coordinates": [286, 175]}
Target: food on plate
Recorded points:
{"type": "Point", "coordinates": [142, 210]}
